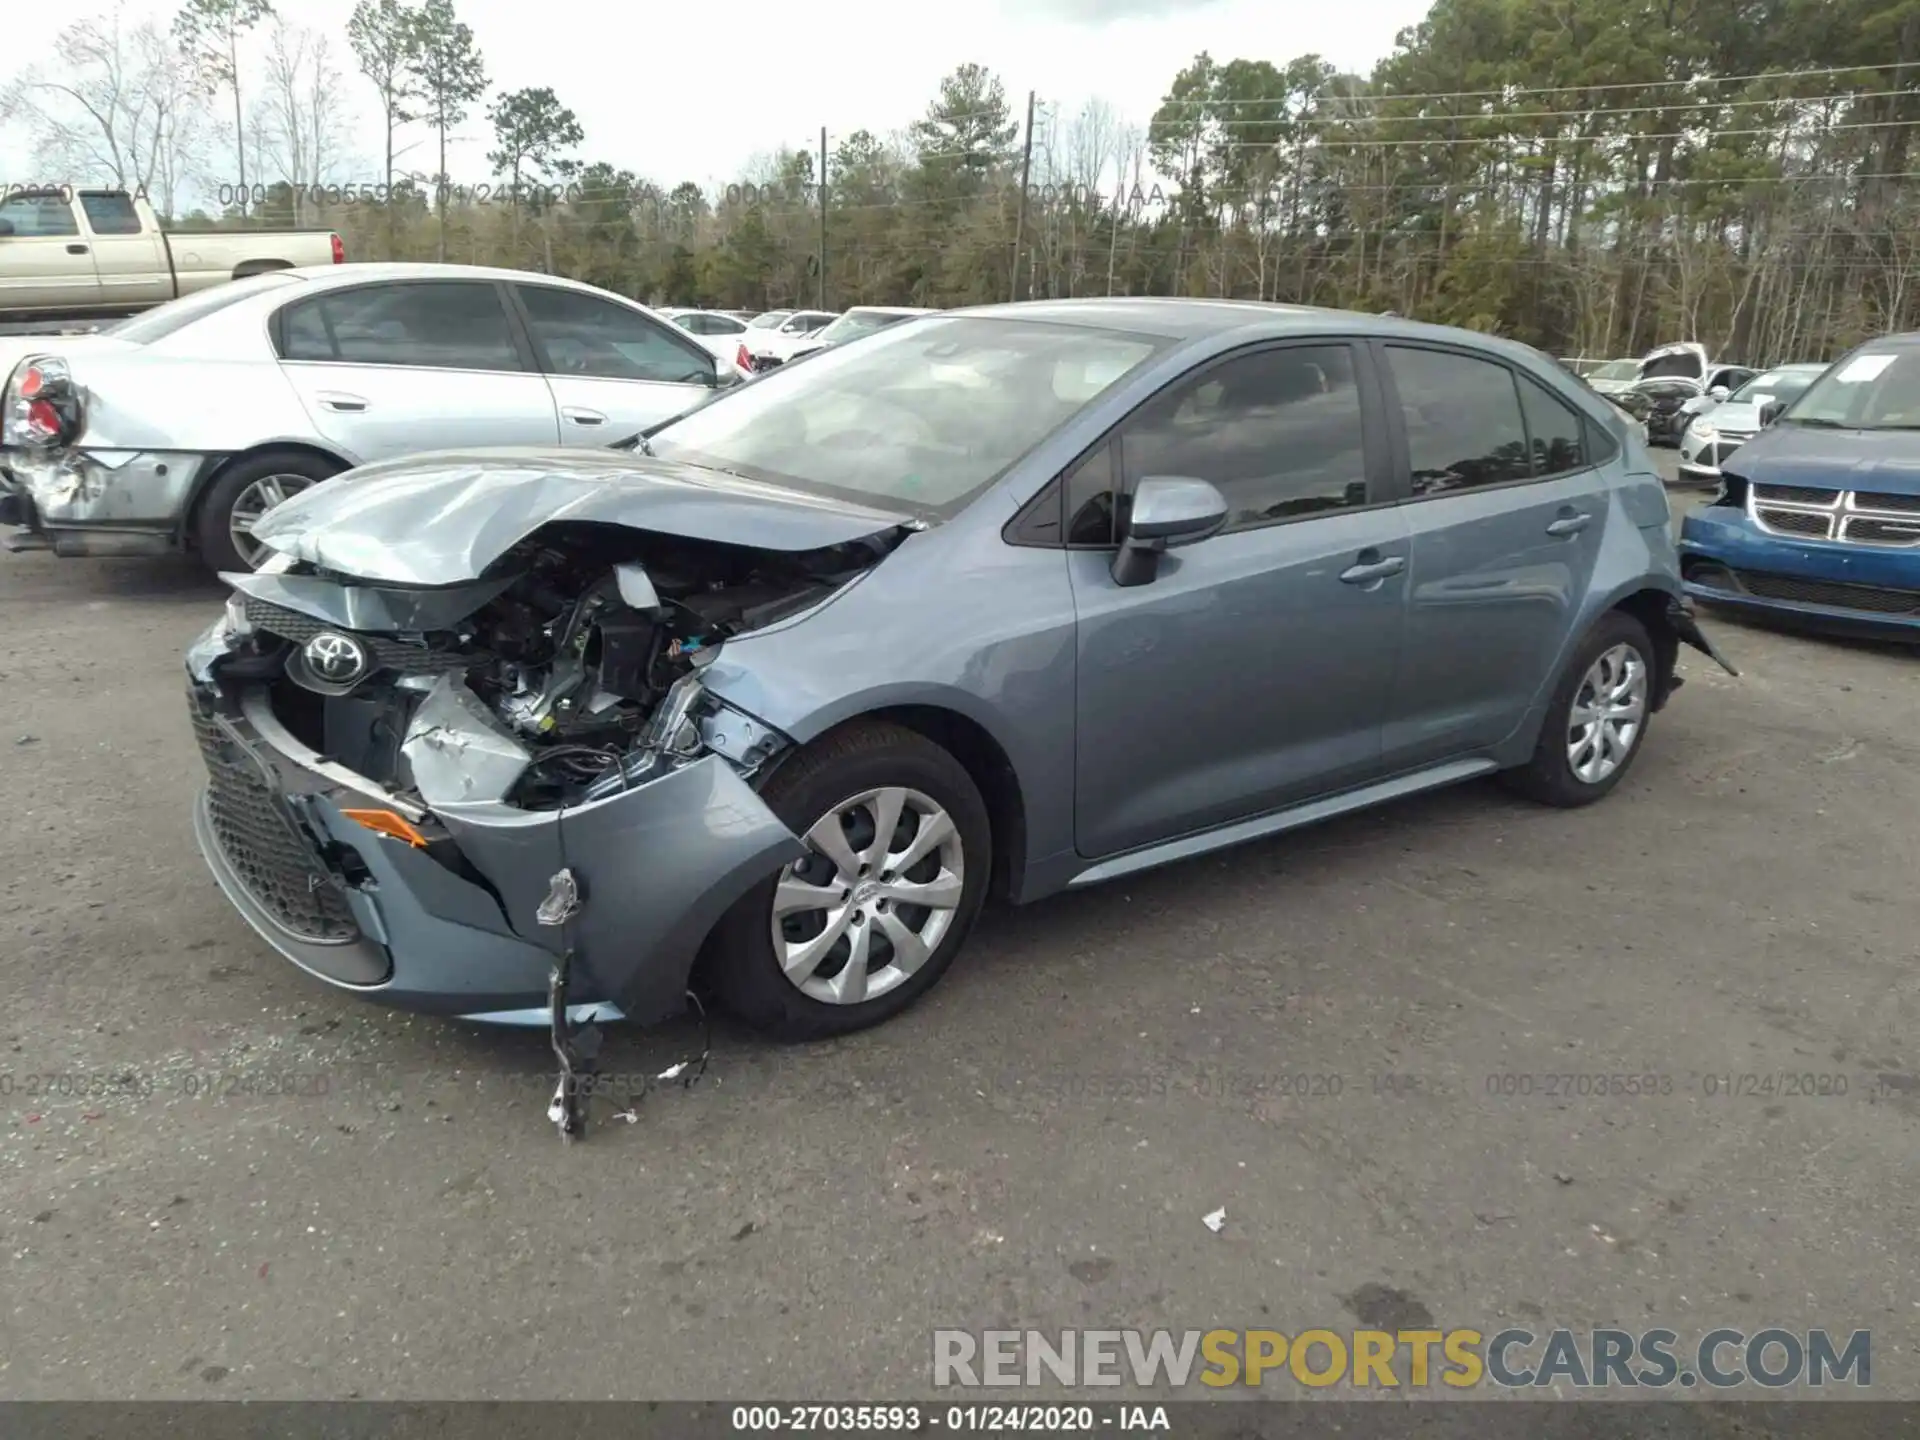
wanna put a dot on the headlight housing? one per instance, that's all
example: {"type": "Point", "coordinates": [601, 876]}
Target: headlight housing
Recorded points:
{"type": "Point", "coordinates": [1703, 429]}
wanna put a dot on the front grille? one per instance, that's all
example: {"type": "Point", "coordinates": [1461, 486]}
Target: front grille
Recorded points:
{"type": "Point", "coordinates": [1796, 495]}
{"type": "Point", "coordinates": [1868, 530]}
{"type": "Point", "coordinates": [1875, 500]}
{"type": "Point", "coordinates": [1876, 599]}
{"type": "Point", "coordinates": [277, 867]}
{"type": "Point", "coordinates": [1795, 522]}
{"type": "Point", "coordinates": [389, 653]}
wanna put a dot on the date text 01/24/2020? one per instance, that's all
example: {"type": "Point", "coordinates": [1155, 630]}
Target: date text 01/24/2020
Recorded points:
{"type": "Point", "coordinates": [968, 1419]}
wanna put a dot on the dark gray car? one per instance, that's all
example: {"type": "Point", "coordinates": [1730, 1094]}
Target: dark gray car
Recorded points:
{"type": "Point", "coordinates": [1014, 600]}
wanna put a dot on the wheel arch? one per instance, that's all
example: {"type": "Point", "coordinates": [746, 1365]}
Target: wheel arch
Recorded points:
{"type": "Point", "coordinates": [980, 753]}
{"type": "Point", "coordinates": [1649, 605]}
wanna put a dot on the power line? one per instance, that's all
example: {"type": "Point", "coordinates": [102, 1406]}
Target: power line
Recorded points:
{"type": "Point", "coordinates": [1390, 97]}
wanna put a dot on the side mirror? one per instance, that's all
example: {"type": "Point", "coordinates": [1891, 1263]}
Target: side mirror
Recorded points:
{"type": "Point", "coordinates": [1168, 511]}
{"type": "Point", "coordinates": [1770, 412]}
{"type": "Point", "coordinates": [1718, 392]}
{"type": "Point", "coordinates": [724, 377]}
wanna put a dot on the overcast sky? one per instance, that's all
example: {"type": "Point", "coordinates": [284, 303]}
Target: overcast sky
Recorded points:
{"type": "Point", "coordinates": [694, 91]}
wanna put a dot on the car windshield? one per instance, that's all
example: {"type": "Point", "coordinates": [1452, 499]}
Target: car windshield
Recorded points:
{"type": "Point", "coordinates": [1873, 390]}
{"type": "Point", "coordinates": [768, 320]}
{"type": "Point", "coordinates": [164, 320]}
{"type": "Point", "coordinates": [1616, 370]}
{"type": "Point", "coordinates": [1782, 385]}
{"type": "Point", "coordinates": [920, 417]}
{"type": "Point", "coordinates": [855, 323]}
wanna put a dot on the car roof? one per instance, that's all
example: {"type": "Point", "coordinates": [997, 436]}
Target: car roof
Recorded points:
{"type": "Point", "coordinates": [1180, 319]}
{"type": "Point", "coordinates": [373, 271]}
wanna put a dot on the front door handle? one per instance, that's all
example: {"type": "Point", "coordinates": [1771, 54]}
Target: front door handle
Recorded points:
{"type": "Point", "coordinates": [1569, 525]}
{"type": "Point", "coordinates": [340, 402]}
{"type": "Point", "coordinates": [76, 249]}
{"type": "Point", "coordinates": [1367, 570]}
{"type": "Point", "coordinates": [583, 417]}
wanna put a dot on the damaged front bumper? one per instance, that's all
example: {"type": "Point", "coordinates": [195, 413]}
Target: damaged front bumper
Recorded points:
{"type": "Point", "coordinates": [99, 502]}
{"type": "Point", "coordinates": [445, 920]}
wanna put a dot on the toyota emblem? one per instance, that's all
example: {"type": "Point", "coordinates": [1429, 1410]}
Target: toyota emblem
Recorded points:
{"type": "Point", "coordinates": [338, 659]}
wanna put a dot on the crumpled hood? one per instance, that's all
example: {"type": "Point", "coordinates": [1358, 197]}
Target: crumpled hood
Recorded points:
{"type": "Point", "coordinates": [443, 518]}
{"type": "Point", "coordinates": [1887, 461]}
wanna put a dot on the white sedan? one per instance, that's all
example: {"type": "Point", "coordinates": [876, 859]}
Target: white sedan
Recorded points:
{"type": "Point", "coordinates": [181, 427]}
{"type": "Point", "coordinates": [716, 331]}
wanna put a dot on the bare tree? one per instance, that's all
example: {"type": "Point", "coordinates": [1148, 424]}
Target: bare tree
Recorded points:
{"type": "Point", "coordinates": [113, 108]}
{"type": "Point", "coordinates": [301, 127]}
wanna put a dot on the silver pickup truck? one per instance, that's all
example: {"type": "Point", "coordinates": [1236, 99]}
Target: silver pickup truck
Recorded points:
{"type": "Point", "coordinates": [70, 255]}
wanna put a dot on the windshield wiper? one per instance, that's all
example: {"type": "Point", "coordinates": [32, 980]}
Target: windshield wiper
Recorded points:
{"type": "Point", "coordinates": [1890, 427]}
{"type": "Point", "coordinates": [1815, 423]}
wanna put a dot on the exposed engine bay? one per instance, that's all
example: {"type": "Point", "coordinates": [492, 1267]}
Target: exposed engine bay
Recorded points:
{"type": "Point", "coordinates": [572, 678]}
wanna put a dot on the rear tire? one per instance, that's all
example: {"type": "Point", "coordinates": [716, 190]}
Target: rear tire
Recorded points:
{"type": "Point", "coordinates": [884, 952]}
{"type": "Point", "coordinates": [1596, 719]}
{"type": "Point", "coordinates": [246, 483]}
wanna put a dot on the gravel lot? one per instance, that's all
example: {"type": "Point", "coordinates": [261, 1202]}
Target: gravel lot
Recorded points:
{"type": "Point", "coordinates": [1036, 1144]}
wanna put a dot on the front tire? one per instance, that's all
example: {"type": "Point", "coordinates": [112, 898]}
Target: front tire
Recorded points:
{"type": "Point", "coordinates": [900, 849]}
{"type": "Point", "coordinates": [1597, 719]}
{"type": "Point", "coordinates": [244, 491]}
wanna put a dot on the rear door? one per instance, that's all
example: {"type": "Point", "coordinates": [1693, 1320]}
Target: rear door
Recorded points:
{"type": "Point", "coordinates": [395, 367]}
{"type": "Point", "coordinates": [1253, 671]}
{"type": "Point", "coordinates": [1506, 507]}
{"type": "Point", "coordinates": [45, 262]}
{"type": "Point", "coordinates": [129, 257]}
{"type": "Point", "coordinates": [612, 369]}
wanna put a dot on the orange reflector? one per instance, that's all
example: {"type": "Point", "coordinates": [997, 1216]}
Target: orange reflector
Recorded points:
{"type": "Point", "coordinates": [385, 822]}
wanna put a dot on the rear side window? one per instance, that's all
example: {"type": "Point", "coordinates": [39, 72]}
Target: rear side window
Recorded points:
{"type": "Point", "coordinates": [1462, 418]}
{"type": "Point", "coordinates": [1557, 437]}
{"type": "Point", "coordinates": [110, 214]}
{"type": "Point", "coordinates": [436, 324]}
{"type": "Point", "coordinates": [1280, 433]}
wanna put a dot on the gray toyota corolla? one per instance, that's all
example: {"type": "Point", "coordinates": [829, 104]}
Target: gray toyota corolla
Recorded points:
{"type": "Point", "coordinates": [1014, 599]}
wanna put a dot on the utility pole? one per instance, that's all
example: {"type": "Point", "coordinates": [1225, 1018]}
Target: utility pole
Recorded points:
{"type": "Point", "coordinates": [1020, 215]}
{"type": "Point", "coordinates": [823, 218]}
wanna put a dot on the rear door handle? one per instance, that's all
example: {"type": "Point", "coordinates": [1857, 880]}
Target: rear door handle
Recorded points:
{"type": "Point", "coordinates": [583, 417]}
{"type": "Point", "coordinates": [1367, 571]}
{"type": "Point", "coordinates": [1569, 525]}
{"type": "Point", "coordinates": [339, 401]}
{"type": "Point", "coordinates": [76, 249]}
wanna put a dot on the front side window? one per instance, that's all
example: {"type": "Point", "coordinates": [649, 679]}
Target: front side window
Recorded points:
{"type": "Point", "coordinates": [1280, 434]}
{"type": "Point", "coordinates": [1462, 418]}
{"type": "Point", "coordinates": [918, 417]}
{"type": "Point", "coordinates": [433, 324]}
{"type": "Point", "coordinates": [33, 215]}
{"type": "Point", "coordinates": [585, 335]}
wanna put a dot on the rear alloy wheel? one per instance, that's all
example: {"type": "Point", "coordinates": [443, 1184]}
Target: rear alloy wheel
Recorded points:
{"type": "Point", "coordinates": [898, 852]}
{"type": "Point", "coordinates": [1597, 718]}
{"type": "Point", "coordinates": [242, 494]}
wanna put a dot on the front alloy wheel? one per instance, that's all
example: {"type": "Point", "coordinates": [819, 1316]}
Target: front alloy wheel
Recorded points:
{"type": "Point", "coordinates": [898, 847]}
{"type": "Point", "coordinates": [863, 912]}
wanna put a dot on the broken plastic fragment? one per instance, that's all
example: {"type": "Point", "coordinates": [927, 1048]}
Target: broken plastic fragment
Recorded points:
{"type": "Point", "coordinates": [1215, 1221]}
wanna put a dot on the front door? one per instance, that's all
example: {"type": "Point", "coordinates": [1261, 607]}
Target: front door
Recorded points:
{"type": "Point", "coordinates": [1253, 670]}
{"type": "Point", "coordinates": [1506, 511]}
{"type": "Point", "coordinates": [45, 262]}
{"type": "Point", "coordinates": [613, 369]}
{"type": "Point", "coordinates": [392, 368]}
